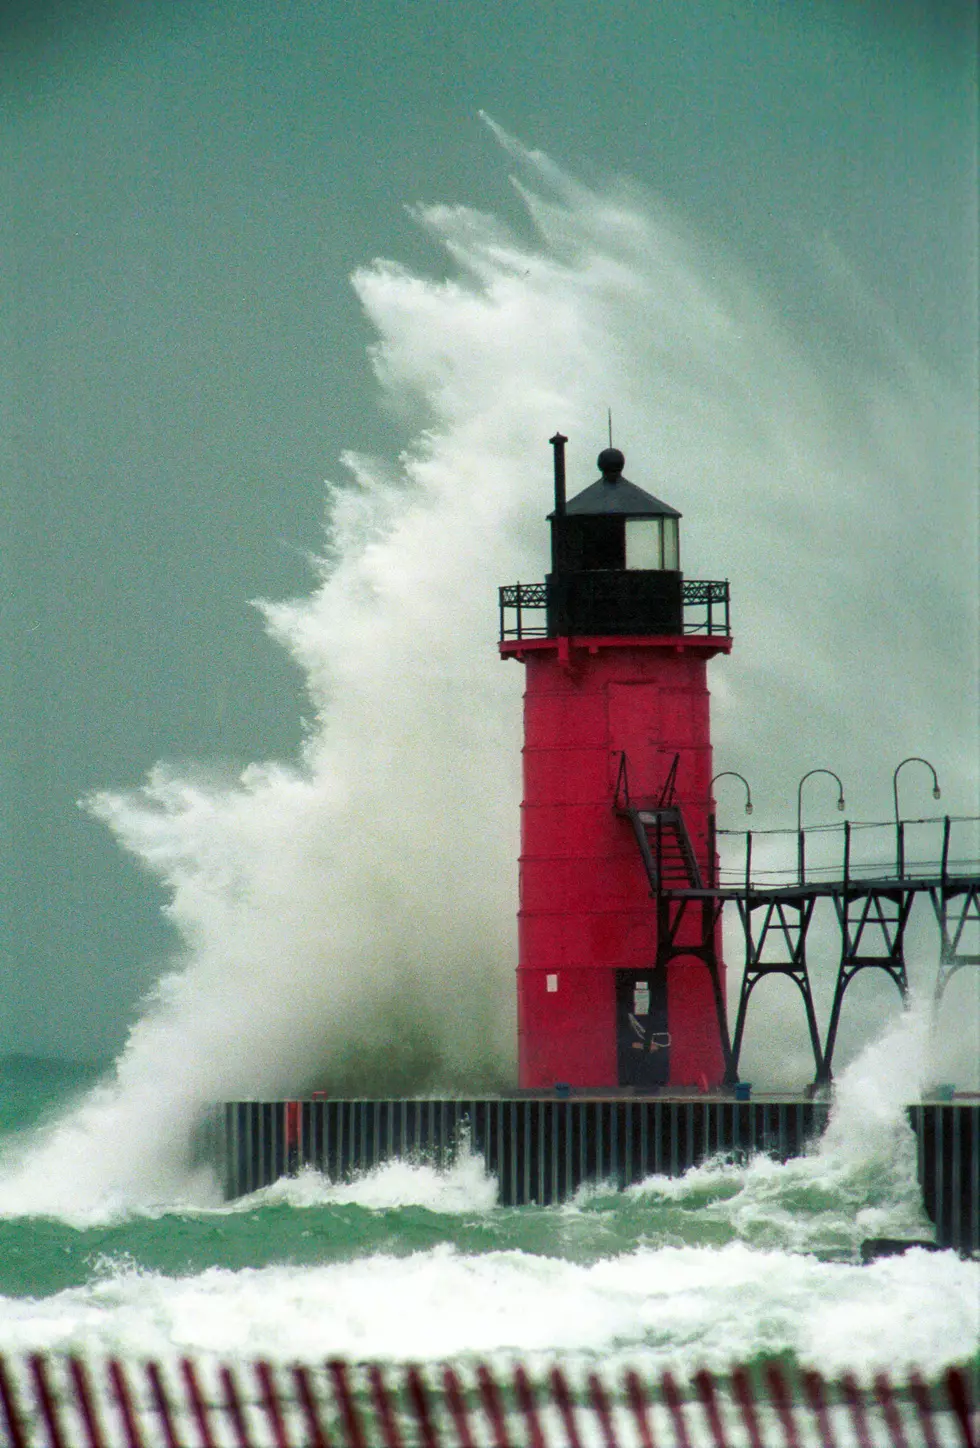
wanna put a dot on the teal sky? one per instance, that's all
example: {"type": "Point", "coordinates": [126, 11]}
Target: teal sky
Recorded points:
{"type": "Point", "coordinates": [185, 192]}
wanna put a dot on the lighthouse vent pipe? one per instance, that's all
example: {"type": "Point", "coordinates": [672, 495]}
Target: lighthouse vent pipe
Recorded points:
{"type": "Point", "coordinates": [558, 443]}
{"type": "Point", "coordinates": [559, 551]}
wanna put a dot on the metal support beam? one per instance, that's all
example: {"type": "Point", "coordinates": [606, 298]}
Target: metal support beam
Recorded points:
{"type": "Point", "coordinates": [671, 913]}
{"type": "Point", "coordinates": [956, 904]}
{"type": "Point", "coordinates": [786, 922]}
{"type": "Point", "coordinates": [887, 931]}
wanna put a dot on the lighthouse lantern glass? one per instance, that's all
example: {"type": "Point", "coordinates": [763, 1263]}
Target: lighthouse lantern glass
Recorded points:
{"type": "Point", "coordinates": [651, 543]}
{"type": "Point", "coordinates": [672, 550]}
{"type": "Point", "coordinates": [644, 543]}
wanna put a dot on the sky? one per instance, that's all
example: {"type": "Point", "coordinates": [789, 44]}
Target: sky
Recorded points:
{"type": "Point", "coordinates": [187, 191]}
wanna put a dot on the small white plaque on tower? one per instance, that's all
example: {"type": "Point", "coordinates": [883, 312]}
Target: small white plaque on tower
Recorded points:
{"type": "Point", "coordinates": [551, 983]}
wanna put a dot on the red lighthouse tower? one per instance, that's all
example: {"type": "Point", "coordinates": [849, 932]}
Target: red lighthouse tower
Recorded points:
{"type": "Point", "coordinates": [620, 980]}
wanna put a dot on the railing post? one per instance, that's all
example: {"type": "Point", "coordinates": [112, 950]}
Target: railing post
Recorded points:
{"type": "Point", "coordinates": [900, 849]}
{"type": "Point", "coordinates": [748, 861]}
{"type": "Point", "coordinates": [945, 864]}
{"type": "Point", "coordinates": [847, 853]}
{"type": "Point", "coordinates": [519, 625]}
{"type": "Point", "coordinates": [712, 863]}
{"type": "Point", "coordinates": [800, 857]}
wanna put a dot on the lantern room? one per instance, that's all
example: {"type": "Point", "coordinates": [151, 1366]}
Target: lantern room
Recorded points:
{"type": "Point", "coordinates": [615, 558]}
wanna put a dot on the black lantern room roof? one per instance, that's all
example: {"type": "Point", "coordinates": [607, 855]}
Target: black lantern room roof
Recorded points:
{"type": "Point", "coordinates": [616, 495]}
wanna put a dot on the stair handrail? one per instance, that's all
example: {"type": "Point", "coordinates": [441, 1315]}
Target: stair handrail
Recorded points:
{"type": "Point", "coordinates": [667, 793]}
{"type": "Point", "coordinates": [622, 783]}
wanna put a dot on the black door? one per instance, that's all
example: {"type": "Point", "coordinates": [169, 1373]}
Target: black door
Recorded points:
{"type": "Point", "coordinates": [642, 1038]}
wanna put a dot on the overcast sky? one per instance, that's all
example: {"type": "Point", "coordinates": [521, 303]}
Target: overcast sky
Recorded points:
{"type": "Point", "coordinates": [186, 190]}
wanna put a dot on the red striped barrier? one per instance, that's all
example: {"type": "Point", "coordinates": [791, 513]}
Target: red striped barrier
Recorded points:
{"type": "Point", "coordinates": [50, 1402]}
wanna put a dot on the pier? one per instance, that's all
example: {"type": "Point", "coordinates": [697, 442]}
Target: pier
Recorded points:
{"type": "Point", "coordinates": [775, 878]}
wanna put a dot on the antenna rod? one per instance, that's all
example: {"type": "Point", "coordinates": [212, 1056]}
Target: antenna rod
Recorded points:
{"type": "Point", "coordinates": [609, 411]}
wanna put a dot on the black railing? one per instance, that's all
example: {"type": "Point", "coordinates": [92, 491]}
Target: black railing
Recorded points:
{"type": "Point", "coordinates": [852, 853]}
{"type": "Point", "coordinates": [519, 599]}
{"type": "Point", "coordinates": [706, 608]}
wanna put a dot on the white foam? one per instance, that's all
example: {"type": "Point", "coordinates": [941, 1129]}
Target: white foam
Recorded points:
{"type": "Point", "coordinates": [678, 1307]}
{"type": "Point", "coordinates": [463, 1187]}
{"type": "Point", "coordinates": [856, 1180]}
{"type": "Point", "coordinates": [871, 1095]}
{"type": "Point", "coordinates": [808, 1204]}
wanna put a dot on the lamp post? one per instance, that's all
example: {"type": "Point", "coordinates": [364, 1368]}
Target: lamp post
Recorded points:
{"type": "Point", "coordinates": [799, 812]}
{"type": "Point", "coordinates": [914, 759]}
{"type": "Point", "coordinates": [899, 828]}
{"type": "Point", "coordinates": [731, 774]}
{"type": "Point", "coordinates": [713, 865]}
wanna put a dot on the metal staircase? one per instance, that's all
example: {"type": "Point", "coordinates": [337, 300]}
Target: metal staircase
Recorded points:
{"type": "Point", "coordinates": [666, 848]}
{"type": "Point", "coordinates": [665, 845]}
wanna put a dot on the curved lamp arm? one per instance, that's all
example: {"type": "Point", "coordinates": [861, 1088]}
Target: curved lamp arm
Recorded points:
{"type": "Point", "coordinates": [731, 774]}
{"type": "Point", "coordinates": [914, 759]}
{"type": "Point", "coordinates": [799, 793]}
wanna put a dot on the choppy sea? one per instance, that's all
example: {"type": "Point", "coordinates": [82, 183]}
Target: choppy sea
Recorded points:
{"type": "Point", "coordinates": [731, 1262]}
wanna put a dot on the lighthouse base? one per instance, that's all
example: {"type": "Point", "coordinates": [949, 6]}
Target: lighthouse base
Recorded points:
{"type": "Point", "coordinates": [541, 1149]}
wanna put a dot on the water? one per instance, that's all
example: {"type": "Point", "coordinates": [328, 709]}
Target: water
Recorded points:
{"type": "Point", "coordinates": [749, 1262]}
{"type": "Point", "coordinates": [346, 921]}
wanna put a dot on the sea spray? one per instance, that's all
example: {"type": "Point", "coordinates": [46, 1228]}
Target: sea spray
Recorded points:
{"type": "Point", "coordinates": [347, 921]}
{"type": "Point", "coordinates": [857, 1180]}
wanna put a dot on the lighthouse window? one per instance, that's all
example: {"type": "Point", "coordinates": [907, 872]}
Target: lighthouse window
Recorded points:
{"type": "Point", "coordinates": [644, 543]}
{"type": "Point", "coordinates": [672, 552]}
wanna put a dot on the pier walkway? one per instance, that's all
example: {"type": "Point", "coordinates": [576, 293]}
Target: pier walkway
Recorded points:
{"type": "Point", "coordinates": [871, 873]}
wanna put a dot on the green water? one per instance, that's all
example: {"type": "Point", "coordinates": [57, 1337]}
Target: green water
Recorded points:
{"type": "Point", "coordinates": [40, 1256]}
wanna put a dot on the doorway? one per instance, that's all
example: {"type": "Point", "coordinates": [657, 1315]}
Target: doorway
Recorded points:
{"type": "Point", "coordinates": [642, 1037]}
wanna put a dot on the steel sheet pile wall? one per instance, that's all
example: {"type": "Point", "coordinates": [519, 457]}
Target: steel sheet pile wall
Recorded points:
{"type": "Point", "coordinates": [541, 1151]}
{"type": "Point", "coordinates": [47, 1401]}
{"type": "Point", "coordinates": [949, 1170]}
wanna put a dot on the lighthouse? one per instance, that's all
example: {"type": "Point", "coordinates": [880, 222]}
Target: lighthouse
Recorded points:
{"type": "Point", "coordinates": [620, 977]}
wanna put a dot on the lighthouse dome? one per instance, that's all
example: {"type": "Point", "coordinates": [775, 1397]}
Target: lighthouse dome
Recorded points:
{"type": "Point", "coordinates": [611, 463]}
